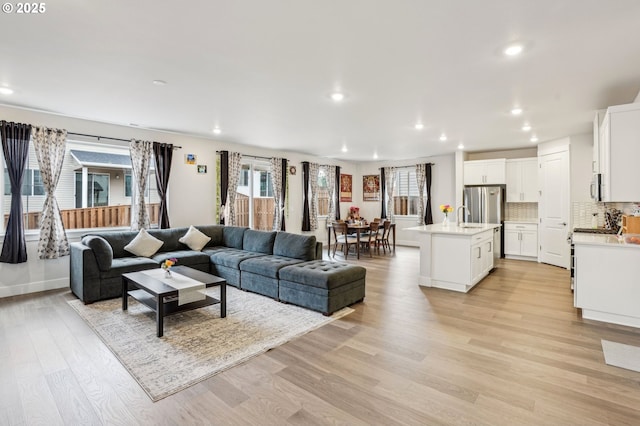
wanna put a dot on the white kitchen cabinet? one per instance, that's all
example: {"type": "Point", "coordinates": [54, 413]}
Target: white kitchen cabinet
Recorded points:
{"type": "Point", "coordinates": [521, 241]}
{"type": "Point", "coordinates": [619, 148]}
{"type": "Point", "coordinates": [606, 285]}
{"type": "Point", "coordinates": [485, 172]}
{"type": "Point", "coordinates": [522, 180]}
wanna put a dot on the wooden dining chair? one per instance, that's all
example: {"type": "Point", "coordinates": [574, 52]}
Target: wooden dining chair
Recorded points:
{"type": "Point", "coordinates": [383, 239]}
{"type": "Point", "coordinates": [342, 238]}
{"type": "Point", "coordinates": [371, 242]}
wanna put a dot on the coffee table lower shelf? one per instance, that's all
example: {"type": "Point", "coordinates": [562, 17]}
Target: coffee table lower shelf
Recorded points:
{"type": "Point", "coordinates": [170, 307]}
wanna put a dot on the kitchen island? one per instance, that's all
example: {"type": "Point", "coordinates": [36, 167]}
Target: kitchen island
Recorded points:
{"type": "Point", "coordinates": [454, 257]}
{"type": "Point", "coordinates": [606, 285]}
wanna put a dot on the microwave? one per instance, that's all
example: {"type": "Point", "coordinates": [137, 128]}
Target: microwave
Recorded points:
{"type": "Point", "coordinates": [596, 187]}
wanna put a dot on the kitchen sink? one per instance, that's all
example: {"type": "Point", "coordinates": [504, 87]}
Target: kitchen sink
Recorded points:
{"type": "Point", "coordinates": [471, 225]}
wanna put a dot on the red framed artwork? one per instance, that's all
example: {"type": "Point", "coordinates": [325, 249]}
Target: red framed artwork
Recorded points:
{"type": "Point", "coordinates": [371, 188]}
{"type": "Point", "coordinates": [346, 188]}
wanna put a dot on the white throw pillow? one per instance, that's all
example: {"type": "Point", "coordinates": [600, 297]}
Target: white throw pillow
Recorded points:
{"type": "Point", "coordinates": [194, 239]}
{"type": "Point", "coordinates": [144, 245]}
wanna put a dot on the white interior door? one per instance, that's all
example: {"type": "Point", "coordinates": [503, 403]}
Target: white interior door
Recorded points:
{"type": "Point", "coordinates": [554, 208]}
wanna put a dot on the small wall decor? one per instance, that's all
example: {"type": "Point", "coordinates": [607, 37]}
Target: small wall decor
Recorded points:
{"type": "Point", "coordinates": [292, 170]}
{"type": "Point", "coordinates": [346, 188]}
{"type": "Point", "coordinates": [190, 159]}
{"type": "Point", "coordinates": [371, 188]}
{"type": "Point", "coordinates": [202, 168]}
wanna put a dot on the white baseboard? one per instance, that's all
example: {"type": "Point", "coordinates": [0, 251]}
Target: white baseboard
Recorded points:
{"type": "Point", "coordinates": [20, 289]}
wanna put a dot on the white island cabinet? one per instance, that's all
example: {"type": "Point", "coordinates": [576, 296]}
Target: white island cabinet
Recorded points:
{"type": "Point", "coordinates": [607, 279]}
{"type": "Point", "coordinates": [454, 258]}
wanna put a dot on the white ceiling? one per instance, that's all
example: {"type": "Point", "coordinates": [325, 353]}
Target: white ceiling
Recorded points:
{"type": "Point", "coordinates": [263, 70]}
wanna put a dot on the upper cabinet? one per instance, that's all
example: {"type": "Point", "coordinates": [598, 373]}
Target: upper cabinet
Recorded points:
{"type": "Point", "coordinates": [597, 123]}
{"type": "Point", "coordinates": [485, 172]}
{"type": "Point", "coordinates": [619, 153]}
{"type": "Point", "coordinates": [522, 180]}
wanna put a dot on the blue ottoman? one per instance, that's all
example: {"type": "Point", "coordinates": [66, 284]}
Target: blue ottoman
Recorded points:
{"type": "Point", "coordinates": [322, 285]}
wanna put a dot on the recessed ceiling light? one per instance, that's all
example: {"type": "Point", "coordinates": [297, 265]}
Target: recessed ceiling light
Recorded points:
{"type": "Point", "coordinates": [534, 138]}
{"type": "Point", "coordinates": [443, 137]}
{"type": "Point", "coordinates": [217, 130]}
{"type": "Point", "coordinates": [375, 155]}
{"type": "Point", "coordinates": [159, 82]}
{"type": "Point", "coordinates": [526, 127]}
{"type": "Point", "coordinates": [516, 111]}
{"type": "Point", "coordinates": [344, 148]}
{"type": "Point", "coordinates": [419, 126]}
{"type": "Point", "coordinates": [337, 96]}
{"type": "Point", "coordinates": [6, 91]}
{"type": "Point", "coordinates": [513, 50]}
{"type": "Point", "coordinates": [460, 146]}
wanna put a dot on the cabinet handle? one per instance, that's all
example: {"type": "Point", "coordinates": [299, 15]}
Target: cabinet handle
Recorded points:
{"type": "Point", "coordinates": [490, 246]}
{"type": "Point", "coordinates": [479, 252]}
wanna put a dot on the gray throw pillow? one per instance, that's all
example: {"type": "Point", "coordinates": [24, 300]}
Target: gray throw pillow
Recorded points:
{"type": "Point", "coordinates": [102, 250]}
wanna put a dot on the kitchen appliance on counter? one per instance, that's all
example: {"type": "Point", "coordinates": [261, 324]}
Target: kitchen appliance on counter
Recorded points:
{"type": "Point", "coordinates": [485, 204]}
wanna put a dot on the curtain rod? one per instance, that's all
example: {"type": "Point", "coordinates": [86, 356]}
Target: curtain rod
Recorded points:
{"type": "Point", "coordinates": [107, 137]}
{"type": "Point", "coordinates": [252, 156]}
{"type": "Point", "coordinates": [406, 167]}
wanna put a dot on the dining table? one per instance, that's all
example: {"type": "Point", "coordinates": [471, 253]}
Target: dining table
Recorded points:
{"type": "Point", "coordinates": [358, 229]}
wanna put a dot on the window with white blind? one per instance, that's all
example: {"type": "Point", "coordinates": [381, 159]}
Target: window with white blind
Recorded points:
{"type": "Point", "coordinates": [405, 194]}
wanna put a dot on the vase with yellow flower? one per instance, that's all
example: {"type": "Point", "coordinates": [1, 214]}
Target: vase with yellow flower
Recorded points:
{"type": "Point", "coordinates": [446, 209]}
{"type": "Point", "coordinates": [167, 264]}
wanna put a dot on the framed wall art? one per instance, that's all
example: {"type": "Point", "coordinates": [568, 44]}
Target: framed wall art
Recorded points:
{"type": "Point", "coordinates": [371, 188]}
{"type": "Point", "coordinates": [202, 168]}
{"type": "Point", "coordinates": [346, 188]}
{"type": "Point", "coordinates": [190, 159]}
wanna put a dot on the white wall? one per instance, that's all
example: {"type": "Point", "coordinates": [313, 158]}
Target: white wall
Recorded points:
{"type": "Point", "coordinates": [581, 154]}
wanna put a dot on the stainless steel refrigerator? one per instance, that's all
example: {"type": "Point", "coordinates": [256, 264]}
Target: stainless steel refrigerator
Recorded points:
{"type": "Point", "coordinates": [485, 204]}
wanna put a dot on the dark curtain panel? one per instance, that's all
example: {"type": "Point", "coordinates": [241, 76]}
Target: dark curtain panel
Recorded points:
{"type": "Point", "coordinates": [15, 145]}
{"type": "Point", "coordinates": [428, 216]}
{"type": "Point", "coordinates": [224, 182]}
{"type": "Point", "coordinates": [337, 194]}
{"type": "Point", "coordinates": [283, 191]}
{"type": "Point", "coordinates": [383, 190]}
{"type": "Point", "coordinates": [306, 219]}
{"type": "Point", "coordinates": [163, 153]}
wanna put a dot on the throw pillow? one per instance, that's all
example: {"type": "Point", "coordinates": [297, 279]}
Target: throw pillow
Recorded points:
{"type": "Point", "coordinates": [144, 244]}
{"type": "Point", "coordinates": [194, 239]}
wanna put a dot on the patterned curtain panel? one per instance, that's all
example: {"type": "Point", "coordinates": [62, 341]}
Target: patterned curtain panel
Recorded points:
{"type": "Point", "coordinates": [224, 183]}
{"type": "Point", "coordinates": [331, 185]}
{"type": "Point", "coordinates": [140, 159]}
{"type": "Point", "coordinates": [163, 154]}
{"type": "Point", "coordinates": [306, 220]}
{"type": "Point", "coordinates": [314, 170]}
{"type": "Point", "coordinates": [390, 178]}
{"type": "Point", "coordinates": [49, 145]}
{"type": "Point", "coordinates": [278, 201]}
{"type": "Point", "coordinates": [420, 178]}
{"type": "Point", "coordinates": [15, 146]}
{"type": "Point", "coordinates": [383, 192]}
{"type": "Point", "coordinates": [234, 177]}
{"type": "Point", "coordinates": [428, 215]}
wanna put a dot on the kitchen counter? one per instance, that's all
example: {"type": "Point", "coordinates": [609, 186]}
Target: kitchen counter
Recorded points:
{"type": "Point", "coordinates": [522, 221]}
{"type": "Point", "coordinates": [453, 229]}
{"type": "Point", "coordinates": [607, 240]}
{"type": "Point", "coordinates": [453, 257]}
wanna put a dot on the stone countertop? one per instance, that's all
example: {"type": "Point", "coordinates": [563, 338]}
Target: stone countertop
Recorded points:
{"type": "Point", "coordinates": [527, 221]}
{"type": "Point", "coordinates": [453, 229]}
{"type": "Point", "coordinates": [606, 240]}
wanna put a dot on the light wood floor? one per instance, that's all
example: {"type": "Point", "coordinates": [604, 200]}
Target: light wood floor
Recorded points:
{"type": "Point", "coordinates": [513, 351]}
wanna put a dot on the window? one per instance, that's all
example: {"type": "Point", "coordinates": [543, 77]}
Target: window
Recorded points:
{"type": "Point", "coordinates": [323, 193]}
{"type": "Point", "coordinates": [98, 190]}
{"type": "Point", "coordinates": [405, 195]}
{"type": "Point", "coordinates": [31, 183]}
{"type": "Point", "coordinates": [254, 200]}
{"type": "Point", "coordinates": [127, 185]}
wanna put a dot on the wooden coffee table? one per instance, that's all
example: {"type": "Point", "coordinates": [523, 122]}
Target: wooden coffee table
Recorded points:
{"type": "Point", "coordinates": [163, 299]}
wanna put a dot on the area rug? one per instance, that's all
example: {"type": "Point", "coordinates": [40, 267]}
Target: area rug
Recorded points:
{"type": "Point", "coordinates": [621, 355]}
{"type": "Point", "coordinates": [197, 344]}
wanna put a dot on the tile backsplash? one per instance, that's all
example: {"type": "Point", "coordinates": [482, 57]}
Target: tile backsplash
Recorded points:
{"type": "Point", "coordinates": [582, 212]}
{"type": "Point", "coordinates": [521, 211]}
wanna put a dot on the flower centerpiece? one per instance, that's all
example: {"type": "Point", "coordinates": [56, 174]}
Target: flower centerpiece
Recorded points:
{"type": "Point", "coordinates": [354, 213]}
{"type": "Point", "coordinates": [167, 264]}
{"type": "Point", "coordinates": [446, 209]}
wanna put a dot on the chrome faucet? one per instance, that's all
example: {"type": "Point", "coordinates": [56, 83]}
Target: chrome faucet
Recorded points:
{"type": "Point", "coordinates": [458, 213]}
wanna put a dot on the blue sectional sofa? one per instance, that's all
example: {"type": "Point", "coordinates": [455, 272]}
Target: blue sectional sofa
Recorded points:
{"type": "Point", "coordinates": [248, 259]}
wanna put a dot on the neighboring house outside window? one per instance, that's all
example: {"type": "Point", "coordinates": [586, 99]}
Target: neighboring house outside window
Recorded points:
{"type": "Point", "coordinates": [254, 200]}
{"type": "Point", "coordinates": [405, 194]}
{"type": "Point", "coordinates": [323, 193]}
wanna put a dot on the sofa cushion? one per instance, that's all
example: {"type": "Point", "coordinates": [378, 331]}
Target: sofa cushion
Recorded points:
{"type": "Point", "coordinates": [258, 241]}
{"type": "Point", "coordinates": [323, 274]}
{"type": "Point", "coordinates": [267, 266]}
{"type": "Point", "coordinates": [102, 250]}
{"type": "Point", "coordinates": [301, 247]}
{"type": "Point", "coordinates": [144, 245]}
{"type": "Point", "coordinates": [231, 258]}
{"type": "Point", "coordinates": [232, 236]}
{"type": "Point", "coordinates": [195, 239]}
{"type": "Point", "coordinates": [128, 264]}
{"type": "Point", "coordinates": [170, 237]}
{"type": "Point", "coordinates": [213, 231]}
{"type": "Point", "coordinates": [184, 257]}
